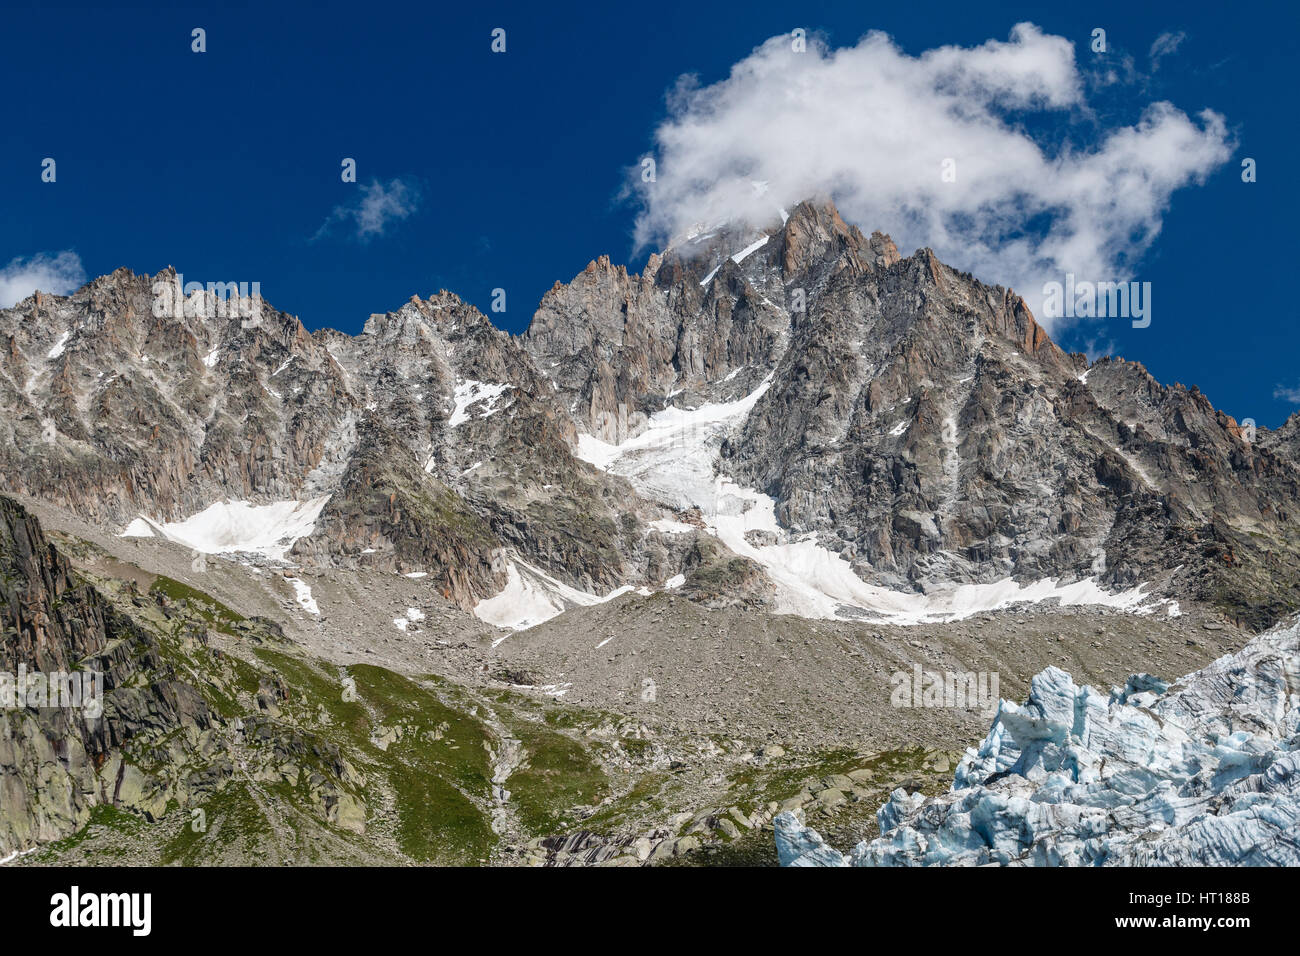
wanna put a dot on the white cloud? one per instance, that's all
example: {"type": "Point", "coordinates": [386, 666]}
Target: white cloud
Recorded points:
{"type": "Point", "coordinates": [1164, 45]}
{"type": "Point", "coordinates": [871, 127]}
{"type": "Point", "coordinates": [59, 274]}
{"type": "Point", "coordinates": [1287, 394]}
{"type": "Point", "coordinates": [378, 206]}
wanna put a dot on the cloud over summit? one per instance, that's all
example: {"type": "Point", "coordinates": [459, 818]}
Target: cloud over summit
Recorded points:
{"type": "Point", "coordinates": [58, 274]}
{"type": "Point", "coordinates": [1033, 191]}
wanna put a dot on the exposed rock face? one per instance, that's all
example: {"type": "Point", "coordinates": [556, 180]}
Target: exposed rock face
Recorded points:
{"type": "Point", "coordinates": [1208, 775]}
{"type": "Point", "coordinates": [56, 762]}
{"type": "Point", "coordinates": [617, 345]}
{"type": "Point", "coordinates": [922, 424]}
{"type": "Point", "coordinates": [717, 578]}
{"type": "Point", "coordinates": [112, 410]}
{"type": "Point", "coordinates": [913, 420]}
{"type": "Point", "coordinates": [1285, 441]}
{"type": "Point", "coordinates": [434, 433]}
{"type": "Point", "coordinates": [164, 731]}
{"type": "Point", "coordinates": [388, 513]}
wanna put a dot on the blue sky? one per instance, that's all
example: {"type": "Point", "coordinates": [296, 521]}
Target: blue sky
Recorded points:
{"type": "Point", "coordinates": [510, 167]}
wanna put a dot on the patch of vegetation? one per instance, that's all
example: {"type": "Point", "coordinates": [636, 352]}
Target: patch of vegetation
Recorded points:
{"type": "Point", "coordinates": [102, 817]}
{"type": "Point", "coordinates": [236, 829]}
{"type": "Point", "coordinates": [647, 797]}
{"type": "Point", "coordinates": [557, 775]}
{"type": "Point", "coordinates": [207, 607]}
{"type": "Point", "coordinates": [427, 759]}
{"type": "Point", "coordinates": [437, 766]}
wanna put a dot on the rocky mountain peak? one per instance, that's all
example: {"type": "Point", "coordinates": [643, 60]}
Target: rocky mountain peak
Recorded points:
{"type": "Point", "coordinates": [814, 231]}
{"type": "Point", "coordinates": [909, 422]}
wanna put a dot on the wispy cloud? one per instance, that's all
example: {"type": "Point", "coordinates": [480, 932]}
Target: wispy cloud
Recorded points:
{"type": "Point", "coordinates": [58, 273]}
{"type": "Point", "coordinates": [380, 205]}
{"type": "Point", "coordinates": [1288, 393]}
{"type": "Point", "coordinates": [1165, 44]}
{"type": "Point", "coordinates": [873, 127]}
{"type": "Point", "coordinates": [1096, 348]}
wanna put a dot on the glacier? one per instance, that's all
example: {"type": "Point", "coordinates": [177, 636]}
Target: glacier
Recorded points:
{"type": "Point", "coordinates": [1203, 772]}
{"type": "Point", "coordinates": [675, 461]}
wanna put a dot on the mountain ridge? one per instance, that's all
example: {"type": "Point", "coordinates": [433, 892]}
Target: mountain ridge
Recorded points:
{"type": "Point", "coordinates": [915, 422]}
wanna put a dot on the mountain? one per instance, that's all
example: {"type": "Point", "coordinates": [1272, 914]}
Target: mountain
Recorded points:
{"type": "Point", "coordinates": [618, 590]}
{"type": "Point", "coordinates": [921, 424]}
{"type": "Point", "coordinates": [911, 429]}
{"type": "Point", "coordinates": [431, 434]}
{"type": "Point", "coordinates": [1285, 441]}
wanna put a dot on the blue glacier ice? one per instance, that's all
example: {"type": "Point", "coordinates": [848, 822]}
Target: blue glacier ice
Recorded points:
{"type": "Point", "coordinates": [1205, 771]}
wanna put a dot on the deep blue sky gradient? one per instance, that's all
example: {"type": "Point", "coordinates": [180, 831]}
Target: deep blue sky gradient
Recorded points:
{"type": "Point", "coordinates": [226, 164]}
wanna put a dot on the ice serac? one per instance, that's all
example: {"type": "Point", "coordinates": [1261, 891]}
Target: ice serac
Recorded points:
{"type": "Point", "coordinates": [1206, 773]}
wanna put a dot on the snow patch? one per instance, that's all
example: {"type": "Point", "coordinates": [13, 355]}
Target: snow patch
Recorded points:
{"type": "Point", "coordinates": [749, 250]}
{"type": "Point", "coordinates": [302, 591]}
{"type": "Point", "coordinates": [139, 528]}
{"type": "Point", "coordinates": [413, 616]}
{"type": "Point", "coordinates": [738, 258]}
{"type": "Point", "coordinates": [668, 526]}
{"type": "Point", "coordinates": [673, 459]}
{"type": "Point", "coordinates": [17, 854]}
{"type": "Point", "coordinates": [532, 596]}
{"type": "Point", "coordinates": [469, 393]}
{"type": "Point", "coordinates": [59, 346]}
{"type": "Point", "coordinates": [228, 526]}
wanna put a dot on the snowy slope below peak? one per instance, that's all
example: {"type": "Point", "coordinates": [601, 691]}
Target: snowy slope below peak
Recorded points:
{"type": "Point", "coordinates": [237, 526]}
{"type": "Point", "coordinates": [675, 462]}
{"type": "Point", "coordinates": [531, 596]}
{"type": "Point", "coordinates": [470, 394]}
